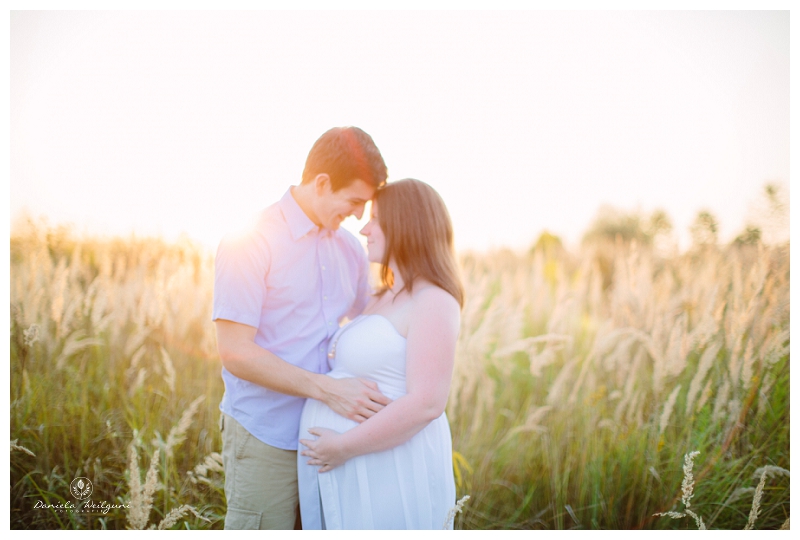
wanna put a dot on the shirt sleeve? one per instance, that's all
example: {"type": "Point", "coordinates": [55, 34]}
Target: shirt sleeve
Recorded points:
{"type": "Point", "coordinates": [241, 268]}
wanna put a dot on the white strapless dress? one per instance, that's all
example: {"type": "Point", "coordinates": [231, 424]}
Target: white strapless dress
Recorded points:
{"type": "Point", "coordinates": [409, 486]}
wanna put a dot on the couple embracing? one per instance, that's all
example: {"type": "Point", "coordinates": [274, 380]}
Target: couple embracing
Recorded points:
{"type": "Point", "coordinates": [345, 422]}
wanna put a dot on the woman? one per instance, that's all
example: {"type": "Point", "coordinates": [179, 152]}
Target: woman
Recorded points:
{"type": "Point", "coordinates": [394, 470]}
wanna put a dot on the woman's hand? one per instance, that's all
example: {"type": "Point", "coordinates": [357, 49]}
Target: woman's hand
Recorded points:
{"type": "Point", "coordinates": [326, 451]}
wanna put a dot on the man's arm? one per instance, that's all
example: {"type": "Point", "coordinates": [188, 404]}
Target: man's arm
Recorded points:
{"type": "Point", "coordinates": [357, 399]}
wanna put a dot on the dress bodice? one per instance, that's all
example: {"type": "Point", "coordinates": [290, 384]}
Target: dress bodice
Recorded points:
{"type": "Point", "coordinates": [370, 347]}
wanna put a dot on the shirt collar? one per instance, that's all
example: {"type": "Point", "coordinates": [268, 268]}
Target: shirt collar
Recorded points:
{"type": "Point", "coordinates": [299, 223]}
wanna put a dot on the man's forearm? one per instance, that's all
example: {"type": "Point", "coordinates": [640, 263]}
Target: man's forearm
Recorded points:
{"type": "Point", "coordinates": [250, 362]}
{"type": "Point", "coordinates": [241, 356]}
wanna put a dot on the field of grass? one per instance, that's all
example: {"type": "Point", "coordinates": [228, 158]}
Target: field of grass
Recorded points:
{"type": "Point", "coordinates": [581, 382]}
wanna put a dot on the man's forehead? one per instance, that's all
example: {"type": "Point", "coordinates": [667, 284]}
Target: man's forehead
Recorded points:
{"type": "Point", "coordinates": [359, 189]}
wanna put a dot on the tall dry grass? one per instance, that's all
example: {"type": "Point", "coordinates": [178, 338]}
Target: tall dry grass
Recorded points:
{"type": "Point", "coordinates": [579, 385]}
{"type": "Point", "coordinates": [112, 351]}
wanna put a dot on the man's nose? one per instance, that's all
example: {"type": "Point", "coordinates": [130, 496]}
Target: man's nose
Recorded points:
{"type": "Point", "coordinates": [359, 211]}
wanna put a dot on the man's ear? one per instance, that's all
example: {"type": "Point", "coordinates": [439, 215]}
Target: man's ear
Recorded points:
{"type": "Point", "coordinates": [322, 184]}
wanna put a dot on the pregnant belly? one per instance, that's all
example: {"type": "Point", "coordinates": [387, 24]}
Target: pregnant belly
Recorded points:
{"type": "Point", "coordinates": [317, 414]}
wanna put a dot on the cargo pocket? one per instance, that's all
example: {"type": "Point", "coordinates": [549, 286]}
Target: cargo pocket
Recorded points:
{"type": "Point", "coordinates": [239, 520]}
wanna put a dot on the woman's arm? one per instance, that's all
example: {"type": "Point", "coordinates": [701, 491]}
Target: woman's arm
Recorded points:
{"type": "Point", "coordinates": [430, 353]}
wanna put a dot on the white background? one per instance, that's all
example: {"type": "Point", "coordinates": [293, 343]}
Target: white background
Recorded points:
{"type": "Point", "coordinates": [167, 122]}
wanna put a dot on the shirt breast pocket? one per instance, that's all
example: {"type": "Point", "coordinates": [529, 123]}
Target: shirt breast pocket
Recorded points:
{"type": "Point", "coordinates": [288, 286]}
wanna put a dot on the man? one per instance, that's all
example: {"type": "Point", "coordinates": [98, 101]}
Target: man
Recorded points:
{"type": "Point", "coordinates": [280, 291]}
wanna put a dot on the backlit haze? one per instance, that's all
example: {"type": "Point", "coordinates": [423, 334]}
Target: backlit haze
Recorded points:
{"type": "Point", "coordinates": [190, 122]}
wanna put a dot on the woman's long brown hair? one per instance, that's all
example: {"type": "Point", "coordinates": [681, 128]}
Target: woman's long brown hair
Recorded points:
{"type": "Point", "coordinates": [419, 237]}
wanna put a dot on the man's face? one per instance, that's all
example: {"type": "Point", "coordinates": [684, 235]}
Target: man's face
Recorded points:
{"type": "Point", "coordinates": [334, 206]}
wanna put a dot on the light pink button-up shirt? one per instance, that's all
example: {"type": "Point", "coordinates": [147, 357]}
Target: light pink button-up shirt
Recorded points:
{"type": "Point", "coordinates": [294, 282]}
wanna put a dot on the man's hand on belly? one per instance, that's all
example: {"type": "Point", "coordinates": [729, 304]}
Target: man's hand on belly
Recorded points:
{"type": "Point", "coordinates": [356, 399]}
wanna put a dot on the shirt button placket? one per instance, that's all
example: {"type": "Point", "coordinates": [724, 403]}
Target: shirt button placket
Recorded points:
{"type": "Point", "coordinates": [325, 285]}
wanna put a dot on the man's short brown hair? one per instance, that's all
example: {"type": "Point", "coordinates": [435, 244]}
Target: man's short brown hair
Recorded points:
{"type": "Point", "coordinates": [345, 154]}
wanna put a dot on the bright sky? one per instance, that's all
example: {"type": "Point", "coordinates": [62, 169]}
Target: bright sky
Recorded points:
{"type": "Point", "coordinates": [169, 122]}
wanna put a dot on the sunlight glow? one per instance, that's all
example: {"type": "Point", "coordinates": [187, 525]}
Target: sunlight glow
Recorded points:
{"type": "Point", "coordinates": [169, 122]}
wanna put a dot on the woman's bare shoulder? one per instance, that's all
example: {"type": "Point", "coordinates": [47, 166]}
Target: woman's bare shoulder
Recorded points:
{"type": "Point", "coordinates": [435, 314]}
{"type": "Point", "coordinates": [427, 296]}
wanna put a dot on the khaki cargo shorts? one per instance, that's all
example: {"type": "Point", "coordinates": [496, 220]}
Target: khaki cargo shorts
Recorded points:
{"type": "Point", "coordinates": [260, 481]}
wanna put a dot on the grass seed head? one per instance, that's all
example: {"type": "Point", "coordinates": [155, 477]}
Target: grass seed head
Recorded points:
{"type": "Point", "coordinates": [751, 520]}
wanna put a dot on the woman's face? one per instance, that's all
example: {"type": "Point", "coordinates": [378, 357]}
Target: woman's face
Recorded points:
{"type": "Point", "coordinates": [376, 241]}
